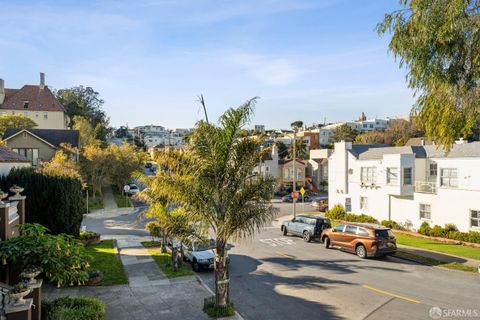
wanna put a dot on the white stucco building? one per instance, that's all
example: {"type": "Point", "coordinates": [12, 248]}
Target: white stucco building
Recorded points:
{"type": "Point", "coordinates": [372, 125]}
{"type": "Point", "coordinates": [408, 184]}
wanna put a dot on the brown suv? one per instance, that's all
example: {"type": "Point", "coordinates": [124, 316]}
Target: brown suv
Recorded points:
{"type": "Point", "coordinates": [364, 239]}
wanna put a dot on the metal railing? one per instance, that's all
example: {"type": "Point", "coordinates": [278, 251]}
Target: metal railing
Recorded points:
{"type": "Point", "coordinates": [425, 187]}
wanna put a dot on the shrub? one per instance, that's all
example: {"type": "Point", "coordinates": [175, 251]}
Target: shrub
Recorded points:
{"type": "Point", "coordinates": [449, 227]}
{"type": "Point", "coordinates": [216, 312]}
{"type": "Point", "coordinates": [154, 229]}
{"type": "Point", "coordinates": [87, 235]}
{"type": "Point", "coordinates": [360, 218]}
{"type": "Point", "coordinates": [55, 201]}
{"type": "Point", "coordinates": [393, 225]}
{"type": "Point", "coordinates": [457, 235]}
{"type": "Point", "coordinates": [424, 228]}
{"type": "Point", "coordinates": [63, 259]}
{"type": "Point", "coordinates": [78, 308]}
{"type": "Point", "coordinates": [474, 237]}
{"type": "Point", "coordinates": [337, 212]}
{"type": "Point", "coordinates": [436, 231]}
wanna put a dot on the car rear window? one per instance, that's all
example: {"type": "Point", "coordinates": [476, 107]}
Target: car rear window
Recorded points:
{"type": "Point", "coordinates": [384, 233]}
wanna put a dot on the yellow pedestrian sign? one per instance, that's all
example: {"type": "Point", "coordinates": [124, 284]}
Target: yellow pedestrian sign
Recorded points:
{"type": "Point", "coordinates": [302, 191]}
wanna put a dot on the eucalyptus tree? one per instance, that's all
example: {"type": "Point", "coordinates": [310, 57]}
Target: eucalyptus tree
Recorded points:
{"type": "Point", "coordinates": [212, 179]}
{"type": "Point", "coordinates": [438, 42]}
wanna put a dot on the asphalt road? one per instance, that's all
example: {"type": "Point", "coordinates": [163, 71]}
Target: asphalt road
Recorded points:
{"type": "Point", "coordinates": [277, 277]}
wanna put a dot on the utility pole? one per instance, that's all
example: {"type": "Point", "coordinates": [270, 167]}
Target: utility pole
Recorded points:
{"type": "Point", "coordinates": [294, 172]}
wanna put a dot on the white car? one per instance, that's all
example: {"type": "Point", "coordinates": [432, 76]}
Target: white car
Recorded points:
{"type": "Point", "coordinates": [133, 188]}
{"type": "Point", "coordinates": [199, 252]}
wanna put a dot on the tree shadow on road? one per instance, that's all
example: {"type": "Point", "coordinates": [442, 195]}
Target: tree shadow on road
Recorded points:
{"type": "Point", "coordinates": [258, 294]}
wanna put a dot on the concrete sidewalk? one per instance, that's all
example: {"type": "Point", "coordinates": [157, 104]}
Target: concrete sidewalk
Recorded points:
{"type": "Point", "coordinates": [109, 202]}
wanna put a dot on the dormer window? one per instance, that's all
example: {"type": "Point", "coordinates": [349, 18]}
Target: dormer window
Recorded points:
{"type": "Point", "coordinates": [25, 104]}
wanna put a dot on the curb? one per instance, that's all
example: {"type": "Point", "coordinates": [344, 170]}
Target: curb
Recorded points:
{"type": "Point", "coordinates": [432, 265]}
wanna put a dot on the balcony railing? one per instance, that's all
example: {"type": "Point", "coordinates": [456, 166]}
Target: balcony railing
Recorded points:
{"type": "Point", "coordinates": [425, 187]}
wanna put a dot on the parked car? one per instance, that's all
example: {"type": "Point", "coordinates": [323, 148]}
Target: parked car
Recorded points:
{"type": "Point", "coordinates": [364, 239]}
{"type": "Point", "coordinates": [199, 252]}
{"type": "Point", "coordinates": [308, 227]}
{"type": "Point", "coordinates": [289, 198]}
{"type": "Point", "coordinates": [133, 189]}
{"type": "Point", "coordinates": [320, 203]}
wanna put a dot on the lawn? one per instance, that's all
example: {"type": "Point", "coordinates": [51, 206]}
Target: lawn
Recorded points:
{"type": "Point", "coordinates": [120, 199]}
{"type": "Point", "coordinates": [164, 261]}
{"type": "Point", "coordinates": [434, 262]}
{"type": "Point", "coordinates": [454, 249]}
{"type": "Point", "coordinates": [105, 260]}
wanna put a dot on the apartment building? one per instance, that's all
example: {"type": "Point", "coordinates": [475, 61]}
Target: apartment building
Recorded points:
{"type": "Point", "coordinates": [372, 125]}
{"type": "Point", "coordinates": [410, 184]}
{"type": "Point", "coordinates": [36, 102]}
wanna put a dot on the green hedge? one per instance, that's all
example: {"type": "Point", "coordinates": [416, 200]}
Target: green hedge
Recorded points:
{"type": "Point", "coordinates": [393, 225]}
{"type": "Point", "coordinates": [56, 202]}
{"type": "Point", "coordinates": [78, 308]}
{"type": "Point", "coordinates": [338, 213]}
{"type": "Point", "coordinates": [450, 231]}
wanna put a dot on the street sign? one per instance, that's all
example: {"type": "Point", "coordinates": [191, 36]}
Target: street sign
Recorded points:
{"type": "Point", "coordinates": [302, 191]}
{"type": "Point", "coordinates": [295, 195]}
{"type": "Point", "coordinates": [126, 188]}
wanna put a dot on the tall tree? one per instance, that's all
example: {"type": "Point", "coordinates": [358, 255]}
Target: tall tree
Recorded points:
{"type": "Point", "coordinates": [438, 42]}
{"type": "Point", "coordinates": [85, 102]}
{"type": "Point", "coordinates": [282, 149]}
{"type": "Point", "coordinates": [96, 164]}
{"type": "Point", "coordinates": [211, 179]}
{"type": "Point", "coordinates": [399, 131]}
{"type": "Point", "coordinates": [15, 121]}
{"type": "Point", "coordinates": [301, 150]}
{"type": "Point", "coordinates": [86, 131]}
{"type": "Point", "coordinates": [343, 132]}
{"type": "Point", "coordinates": [126, 160]}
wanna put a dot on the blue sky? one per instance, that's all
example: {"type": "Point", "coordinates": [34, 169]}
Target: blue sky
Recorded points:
{"type": "Point", "coordinates": [150, 59]}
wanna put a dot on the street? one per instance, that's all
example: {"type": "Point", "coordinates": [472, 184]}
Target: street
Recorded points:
{"type": "Point", "coordinates": [277, 277]}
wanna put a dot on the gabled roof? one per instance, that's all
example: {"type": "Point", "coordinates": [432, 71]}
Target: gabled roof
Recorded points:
{"type": "Point", "coordinates": [38, 99]}
{"type": "Point", "coordinates": [52, 137]}
{"type": "Point", "coordinates": [7, 155]}
{"type": "Point", "coordinates": [285, 161]}
{"type": "Point", "coordinates": [464, 150]}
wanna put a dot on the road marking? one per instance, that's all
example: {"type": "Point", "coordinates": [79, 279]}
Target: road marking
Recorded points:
{"type": "Point", "coordinates": [285, 255]}
{"type": "Point", "coordinates": [390, 294]}
{"type": "Point", "coordinates": [277, 242]}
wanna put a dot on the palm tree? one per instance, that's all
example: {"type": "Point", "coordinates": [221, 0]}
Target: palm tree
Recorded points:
{"type": "Point", "coordinates": [211, 178]}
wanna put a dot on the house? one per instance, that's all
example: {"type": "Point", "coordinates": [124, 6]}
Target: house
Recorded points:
{"type": "Point", "coordinates": [10, 159]}
{"type": "Point", "coordinates": [39, 144]}
{"type": "Point", "coordinates": [409, 184]}
{"type": "Point", "coordinates": [317, 168]}
{"type": "Point", "coordinates": [36, 102]}
{"type": "Point", "coordinates": [372, 125]}
{"type": "Point", "coordinates": [326, 132]}
{"type": "Point", "coordinates": [286, 173]}
{"type": "Point", "coordinates": [269, 164]}
{"type": "Point", "coordinates": [311, 138]}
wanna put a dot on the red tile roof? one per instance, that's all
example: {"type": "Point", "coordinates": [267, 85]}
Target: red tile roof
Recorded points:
{"type": "Point", "coordinates": [38, 99]}
{"type": "Point", "coordinates": [7, 155]}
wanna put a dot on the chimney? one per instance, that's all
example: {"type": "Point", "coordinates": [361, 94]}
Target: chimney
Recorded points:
{"type": "Point", "coordinates": [2, 91]}
{"type": "Point", "coordinates": [42, 80]}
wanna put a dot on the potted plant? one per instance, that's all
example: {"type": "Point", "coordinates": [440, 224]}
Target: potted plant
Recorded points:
{"type": "Point", "coordinates": [30, 274]}
{"type": "Point", "coordinates": [17, 293]}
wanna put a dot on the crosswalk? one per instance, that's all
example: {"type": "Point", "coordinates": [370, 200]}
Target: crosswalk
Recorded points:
{"type": "Point", "coordinates": [280, 242]}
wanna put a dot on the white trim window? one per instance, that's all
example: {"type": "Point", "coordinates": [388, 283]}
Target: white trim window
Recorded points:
{"type": "Point", "coordinates": [425, 211]}
{"type": "Point", "coordinates": [368, 175]}
{"type": "Point", "coordinates": [407, 176]}
{"type": "Point", "coordinates": [448, 177]}
{"type": "Point", "coordinates": [475, 219]}
{"type": "Point", "coordinates": [392, 176]}
{"type": "Point", "coordinates": [363, 203]}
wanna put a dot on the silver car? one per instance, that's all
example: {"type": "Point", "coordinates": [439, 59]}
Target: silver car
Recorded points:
{"type": "Point", "coordinates": [308, 227]}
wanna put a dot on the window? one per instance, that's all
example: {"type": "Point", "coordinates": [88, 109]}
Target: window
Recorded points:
{"type": "Point", "coordinates": [368, 174]}
{"type": "Point", "coordinates": [25, 113]}
{"type": "Point", "coordinates": [448, 178]}
{"type": "Point", "coordinates": [407, 176]}
{"type": "Point", "coordinates": [371, 126]}
{"type": "Point", "coordinates": [475, 218]}
{"type": "Point", "coordinates": [392, 175]}
{"type": "Point", "coordinates": [362, 232]}
{"type": "Point", "coordinates": [25, 104]}
{"type": "Point", "coordinates": [363, 203]}
{"type": "Point", "coordinates": [433, 169]}
{"type": "Point", "coordinates": [30, 154]}
{"type": "Point", "coordinates": [339, 228]}
{"type": "Point", "coordinates": [425, 211]}
{"type": "Point", "coordinates": [267, 169]}
{"type": "Point", "coordinates": [351, 229]}
{"type": "Point", "coordinates": [45, 115]}
{"type": "Point", "coordinates": [365, 125]}
{"type": "Point", "coordinates": [348, 204]}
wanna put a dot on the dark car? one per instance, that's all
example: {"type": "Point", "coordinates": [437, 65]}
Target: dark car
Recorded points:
{"type": "Point", "coordinates": [308, 227]}
{"type": "Point", "coordinates": [289, 198]}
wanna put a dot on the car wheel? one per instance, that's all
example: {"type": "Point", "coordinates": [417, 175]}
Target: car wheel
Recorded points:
{"type": "Point", "coordinates": [306, 236]}
{"type": "Point", "coordinates": [326, 242]}
{"type": "Point", "coordinates": [361, 251]}
{"type": "Point", "coordinates": [285, 231]}
{"type": "Point", "coordinates": [195, 266]}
